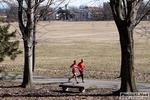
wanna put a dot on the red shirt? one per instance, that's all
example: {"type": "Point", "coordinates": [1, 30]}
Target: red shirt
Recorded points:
{"type": "Point", "coordinates": [74, 66]}
{"type": "Point", "coordinates": [81, 66]}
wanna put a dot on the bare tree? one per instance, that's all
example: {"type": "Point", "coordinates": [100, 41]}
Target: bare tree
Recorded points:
{"type": "Point", "coordinates": [30, 10]}
{"type": "Point", "coordinates": [29, 32]}
{"type": "Point", "coordinates": [107, 11]}
{"type": "Point", "coordinates": [12, 13]}
{"type": "Point", "coordinates": [125, 13]}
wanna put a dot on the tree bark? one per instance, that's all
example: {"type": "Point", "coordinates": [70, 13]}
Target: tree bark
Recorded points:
{"type": "Point", "coordinates": [28, 38]}
{"type": "Point", "coordinates": [28, 61]}
{"type": "Point", "coordinates": [28, 30]}
{"type": "Point", "coordinates": [27, 74]}
{"type": "Point", "coordinates": [124, 13]}
{"type": "Point", "coordinates": [127, 64]}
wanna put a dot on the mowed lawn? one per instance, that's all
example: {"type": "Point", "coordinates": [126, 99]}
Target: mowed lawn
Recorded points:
{"type": "Point", "coordinates": [97, 42]}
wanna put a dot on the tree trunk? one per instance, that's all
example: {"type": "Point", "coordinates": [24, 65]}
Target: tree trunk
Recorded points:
{"type": "Point", "coordinates": [127, 57]}
{"type": "Point", "coordinates": [28, 38]}
{"type": "Point", "coordinates": [127, 64]}
{"type": "Point", "coordinates": [124, 13]}
{"type": "Point", "coordinates": [26, 68]}
{"type": "Point", "coordinates": [34, 43]}
{"type": "Point", "coordinates": [27, 76]}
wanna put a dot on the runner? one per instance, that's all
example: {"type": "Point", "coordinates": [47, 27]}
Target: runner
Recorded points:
{"type": "Point", "coordinates": [74, 67]}
{"type": "Point", "coordinates": [81, 67]}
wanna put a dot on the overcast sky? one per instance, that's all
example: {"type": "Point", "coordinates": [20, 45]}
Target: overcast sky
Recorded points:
{"type": "Point", "coordinates": [86, 2]}
{"type": "Point", "coordinates": [75, 3]}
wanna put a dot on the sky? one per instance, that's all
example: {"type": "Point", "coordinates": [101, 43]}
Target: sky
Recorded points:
{"type": "Point", "coordinates": [75, 3]}
{"type": "Point", "coordinates": [86, 2]}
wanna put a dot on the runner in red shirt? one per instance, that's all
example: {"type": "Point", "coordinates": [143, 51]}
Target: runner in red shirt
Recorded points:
{"type": "Point", "coordinates": [74, 66]}
{"type": "Point", "coordinates": [81, 67]}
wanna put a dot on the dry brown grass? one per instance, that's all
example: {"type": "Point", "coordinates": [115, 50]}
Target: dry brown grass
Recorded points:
{"type": "Point", "coordinates": [59, 43]}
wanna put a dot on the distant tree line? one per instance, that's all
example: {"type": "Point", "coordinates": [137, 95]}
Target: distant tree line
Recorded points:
{"type": "Point", "coordinates": [82, 13]}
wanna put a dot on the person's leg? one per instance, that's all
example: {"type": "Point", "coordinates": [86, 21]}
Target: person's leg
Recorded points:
{"type": "Point", "coordinates": [71, 77]}
{"type": "Point", "coordinates": [80, 73]}
{"type": "Point", "coordinates": [82, 76]}
{"type": "Point", "coordinates": [75, 76]}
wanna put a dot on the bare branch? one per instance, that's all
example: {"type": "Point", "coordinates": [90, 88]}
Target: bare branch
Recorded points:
{"type": "Point", "coordinates": [117, 8]}
{"type": "Point", "coordinates": [125, 8]}
{"type": "Point", "coordinates": [50, 2]}
{"type": "Point", "coordinates": [143, 15]}
{"type": "Point", "coordinates": [17, 30]}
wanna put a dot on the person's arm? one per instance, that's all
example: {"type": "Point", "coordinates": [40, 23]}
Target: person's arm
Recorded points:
{"type": "Point", "coordinates": [78, 66]}
{"type": "Point", "coordinates": [71, 66]}
{"type": "Point", "coordinates": [84, 66]}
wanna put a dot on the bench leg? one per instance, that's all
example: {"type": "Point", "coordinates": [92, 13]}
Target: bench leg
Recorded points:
{"type": "Point", "coordinates": [81, 90]}
{"type": "Point", "coordinates": [64, 88]}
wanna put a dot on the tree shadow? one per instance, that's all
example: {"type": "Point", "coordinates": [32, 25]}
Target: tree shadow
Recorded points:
{"type": "Point", "coordinates": [115, 93]}
{"type": "Point", "coordinates": [69, 93]}
{"type": "Point", "coordinates": [18, 86]}
{"type": "Point", "coordinates": [53, 83]}
{"type": "Point", "coordinates": [55, 93]}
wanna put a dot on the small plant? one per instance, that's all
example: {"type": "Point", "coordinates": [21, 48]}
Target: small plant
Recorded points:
{"type": "Point", "coordinates": [8, 48]}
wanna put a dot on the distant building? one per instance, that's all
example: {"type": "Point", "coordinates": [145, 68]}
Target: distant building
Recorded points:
{"type": "Point", "coordinates": [83, 13]}
{"type": "Point", "coordinates": [3, 17]}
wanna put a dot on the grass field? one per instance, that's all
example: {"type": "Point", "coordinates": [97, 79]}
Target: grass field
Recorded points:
{"type": "Point", "coordinates": [61, 42]}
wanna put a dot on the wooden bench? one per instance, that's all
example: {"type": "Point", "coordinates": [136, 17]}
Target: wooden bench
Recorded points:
{"type": "Point", "coordinates": [66, 86]}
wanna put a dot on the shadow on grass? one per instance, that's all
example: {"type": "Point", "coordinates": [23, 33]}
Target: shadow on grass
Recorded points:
{"type": "Point", "coordinates": [52, 93]}
{"type": "Point", "coordinates": [72, 94]}
{"type": "Point", "coordinates": [115, 93]}
{"type": "Point", "coordinates": [19, 86]}
{"type": "Point", "coordinates": [53, 83]}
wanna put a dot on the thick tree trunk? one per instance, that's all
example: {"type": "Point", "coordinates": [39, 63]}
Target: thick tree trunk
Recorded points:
{"type": "Point", "coordinates": [27, 76]}
{"type": "Point", "coordinates": [127, 57]}
{"type": "Point", "coordinates": [28, 37]}
{"type": "Point", "coordinates": [127, 65]}
{"type": "Point", "coordinates": [124, 13]}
